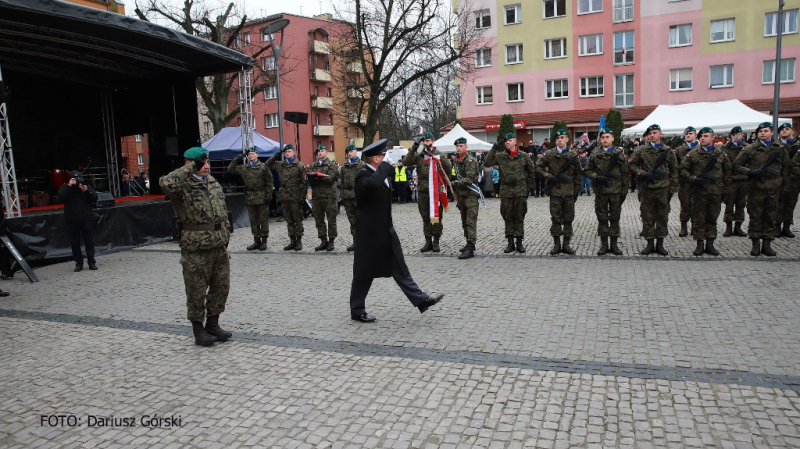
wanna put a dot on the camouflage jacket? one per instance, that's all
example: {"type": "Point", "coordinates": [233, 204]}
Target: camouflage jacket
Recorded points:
{"type": "Point", "coordinates": [257, 180]}
{"type": "Point", "coordinates": [324, 186]}
{"type": "Point", "coordinates": [733, 150]}
{"type": "Point", "coordinates": [794, 178]}
{"type": "Point", "coordinates": [754, 156]}
{"type": "Point", "coordinates": [292, 177]}
{"type": "Point", "coordinates": [697, 160]}
{"type": "Point", "coordinates": [646, 156]}
{"type": "Point", "coordinates": [680, 155]}
{"type": "Point", "coordinates": [415, 159]}
{"type": "Point", "coordinates": [467, 170]}
{"type": "Point", "coordinates": [347, 175]}
{"type": "Point", "coordinates": [200, 207]}
{"type": "Point", "coordinates": [517, 173]}
{"type": "Point", "coordinates": [598, 163]}
{"type": "Point", "coordinates": [551, 163]}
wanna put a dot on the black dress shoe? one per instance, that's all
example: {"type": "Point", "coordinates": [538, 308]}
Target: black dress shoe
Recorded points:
{"type": "Point", "coordinates": [431, 301]}
{"type": "Point", "coordinates": [92, 266]}
{"type": "Point", "coordinates": [78, 268]}
{"type": "Point", "coordinates": [364, 318]}
{"type": "Point", "coordinates": [4, 294]}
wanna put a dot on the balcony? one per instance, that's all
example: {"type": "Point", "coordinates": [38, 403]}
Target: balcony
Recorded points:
{"type": "Point", "coordinates": [355, 92]}
{"type": "Point", "coordinates": [320, 75]}
{"type": "Point", "coordinates": [322, 102]}
{"type": "Point", "coordinates": [358, 142]}
{"type": "Point", "coordinates": [354, 67]}
{"type": "Point", "coordinates": [323, 130]}
{"type": "Point", "coordinates": [352, 117]}
{"type": "Point", "coordinates": [320, 47]}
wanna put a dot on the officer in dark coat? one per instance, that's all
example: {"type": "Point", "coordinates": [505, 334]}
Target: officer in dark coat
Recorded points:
{"type": "Point", "coordinates": [378, 252]}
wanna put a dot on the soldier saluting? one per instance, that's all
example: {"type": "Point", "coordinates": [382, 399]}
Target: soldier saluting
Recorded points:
{"type": "Point", "coordinates": [258, 183]}
{"type": "Point", "coordinates": [465, 186]}
{"type": "Point", "coordinates": [347, 175]}
{"type": "Point", "coordinates": [562, 169]}
{"type": "Point", "coordinates": [291, 174]}
{"type": "Point", "coordinates": [608, 170]}
{"type": "Point", "coordinates": [736, 191]}
{"type": "Point", "coordinates": [322, 176]}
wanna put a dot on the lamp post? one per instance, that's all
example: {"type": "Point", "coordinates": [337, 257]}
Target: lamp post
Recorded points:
{"type": "Point", "coordinates": [777, 76]}
{"type": "Point", "coordinates": [270, 30]}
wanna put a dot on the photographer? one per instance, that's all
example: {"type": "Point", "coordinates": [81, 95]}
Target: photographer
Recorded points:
{"type": "Point", "coordinates": [78, 197]}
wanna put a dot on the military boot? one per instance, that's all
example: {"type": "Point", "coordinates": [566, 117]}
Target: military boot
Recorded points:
{"type": "Point", "coordinates": [520, 248]}
{"type": "Point", "coordinates": [710, 248]}
{"type": "Point", "coordinates": [603, 246]}
{"type": "Point", "coordinates": [565, 247]}
{"type": "Point", "coordinates": [263, 245]}
{"type": "Point", "coordinates": [255, 245]}
{"type": "Point", "coordinates": [291, 244]}
{"type": "Point", "coordinates": [614, 248]}
{"type": "Point", "coordinates": [352, 247]}
{"type": "Point", "coordinates": [463, 248]}
{"type": "Point", "coordinates": [737, 230]}
{"type": "Point", "coordinates": [556, 246]}
{"type": "Point", "coordinates": [698, 251]}
{"type": "Point", "coordinates": [322, 246]}
{"type": "Point", "coordinates": [435, 248]}
{"type": "Point", "coordinates": [777, 231]}
{"type": "Point", "coordinates": [201, 337]}
{"type": "Point", "coordinates": [766, 249]}
{"type": "Point", "coordinates": [787, 232]}
{"type": "Point", "coordinates": [660, 247]}
{"type": "Point", "coordinates": [728, 229]}
{"type": "Point", "coordinates": [468, 253]}
{"type": "Point", "coordinates": [428, 244]}
{"type": "Point", "coordinates": [330, 246]}
{"type": "Point", "coordinates": [510, 247]}
{"type": "Point", "coordinates": [649, 249]}
{"type": "Point", "coordinates": [299, 245]}
{"type": "Point", "coordinates": [756, 250]}
{"type": "Point", "coordinates": [684, 229]}
{"type": "Point", "coordinates": [212, 327]}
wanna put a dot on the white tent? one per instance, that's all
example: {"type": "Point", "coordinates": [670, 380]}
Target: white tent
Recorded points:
{"type": "Point", "coordinates": [446, 145]}
{"type": "Point", "coordinates": [721, 116]}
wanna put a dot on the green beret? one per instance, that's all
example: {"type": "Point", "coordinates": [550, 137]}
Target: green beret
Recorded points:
{"type": "Point", "coordinates": [764, 125]}
{"type": "Point", "coordinates": [562, 132]}
{"type": "Point", "coordinates": [736, 130]}
{"type": "Point", "coordinates": [460, 140]}
{"type": "Point", "coordinates": [654, 127]}
{"type": "Point", "coordinates": [427, 135]}
{"type": "Point", "coordinates": [510, 136]}
{"type": "Point", "coordinates": [605, 131]}
{"type": "Point", "coordinates": [288, 146]}
{"type": "Point", "coordinates": [350, 148]}
{"type": "Point", "coordinates": [785, 125]}
{"type": "Point", "coordinates": [252, 150]}
{"type": "Point", "coordinates": [196, 153]}
{"type": "Point", "coordinates": [321, 147]}
{"type": "Point", "coordinates": [704, 130]}
{"type": "Point", "coordinates": [689, 129]}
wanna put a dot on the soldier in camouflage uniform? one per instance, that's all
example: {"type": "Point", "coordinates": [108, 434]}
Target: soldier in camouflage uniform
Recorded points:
{"type": "Point", "coordinates": [707, 171]}
{"type": "Point", "coordinates": [199, 204]}
{"type": "Point", "coordinates": [685, 199]}
{"type": "Point", "coordinates": [661, 182]}
{"type": "Point", "coordinates": [347, 175]}
{"type": "Point", "coordinates": [258, 194]}
{"type": "Point", "coordinates": [322, 176]}
{"type": "Point", "coordinates": [421, 161]}
{"type": "Point", "coordinates": [467, 170]}
{"type": "Point", "coordinates": [766, 186]}
{"type": "Point", "coordinates": [292, 175]}
{"type": "Point", "coordinates": [563, 172]}
{"type": "Point", "coordinates": [788, 202]}
{"type": "Point", "coordinates": [736, 191]}
{"type": "Point", "coordinates": [608, 169]}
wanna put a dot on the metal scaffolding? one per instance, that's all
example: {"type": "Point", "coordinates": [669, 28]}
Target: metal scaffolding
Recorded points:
{"type": "Point", "coordinates": [109, 135]}
{"type": "Point", "coordinates": [246, 109]}
{"type": "Point", "coordinates": [7, 171]}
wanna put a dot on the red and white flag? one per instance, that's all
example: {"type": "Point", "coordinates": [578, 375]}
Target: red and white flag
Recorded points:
{"type": "Point", "coordinates": [421, 130]}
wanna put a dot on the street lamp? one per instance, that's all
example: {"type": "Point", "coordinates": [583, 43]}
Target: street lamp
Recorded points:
{"type": "Point", "coordinates": [777, 75]}
{"type": "Point", "coordinates": [269, 30]}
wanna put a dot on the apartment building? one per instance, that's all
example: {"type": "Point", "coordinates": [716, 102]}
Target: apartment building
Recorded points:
{"type": "Point", "coordinates": [573, 60]}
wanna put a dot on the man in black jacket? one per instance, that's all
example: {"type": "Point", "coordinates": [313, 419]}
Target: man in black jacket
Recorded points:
{"type": "Point", "coordinates": [77, 197]}
{"type": "Point", "coordinates": [378, 252]}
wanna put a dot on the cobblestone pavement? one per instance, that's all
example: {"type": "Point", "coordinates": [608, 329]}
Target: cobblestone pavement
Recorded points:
{"type": "Point", "coordinates": [525, 350]}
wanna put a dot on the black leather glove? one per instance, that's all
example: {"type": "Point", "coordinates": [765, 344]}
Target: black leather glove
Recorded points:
{"type": "Point", "coordinates": [649, 177]}
{"type": "Point", "coordinates": [756, 173]}
{"type": "Point", "coordinates": [499, 146]}
{"type": "Point", "coordinates": [198, 164]}
{"type": "Point", "coordinates": [240, 157]}
{"type": "Point", "coordinates": [699, 182]}
{"type": "Point", "coordinates": [601, 180]}
{"type": "Point", "coordinates": [415, 147]}
{"type": "Point", "coordinates": [553, 179]}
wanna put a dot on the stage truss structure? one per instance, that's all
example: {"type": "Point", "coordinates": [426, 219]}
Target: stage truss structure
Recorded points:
{"type": "Point", "coordinates": [246, 108]}
{"type": "Point", "coordinates": [109, 134]}
{"type": "Point", "coordinates": [7, 171]}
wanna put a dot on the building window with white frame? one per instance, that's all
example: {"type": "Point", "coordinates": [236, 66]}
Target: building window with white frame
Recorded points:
{"type": "Point", "coordinates": [267, 37]}
{"type": "Point", "coordinates": [590, 6]}
{"type": "Point", "coordinates": [140, 158]}
{"type": "Point", "coordinates": [513, 14]}
{"type": "Point", "coordinates": [555, 48]}
{"type": "Point", "coordinates": [483, 19]}
{"type": "Point", "coordinates": [270, 92]}
{"type": "Point", "coordinates": [554, 8]}
{"type": "Point", "coordinates": [207, 127]}
{"type": "Point", "coordinates": [514, 54]}
{"type": "Point", "coordinates": [515, 92]}
{"type": "Point", "coordinates": [789, 23]}
{"type": "Point", "coordinates": [721, 76]}
{"type": "Point", "coordinates": [268, 63]}
{"type": "Point", "coordinates": [590, 45]}
{"type": "Point", "coordinates": [271, 120]}
{"type": "Point", "coordinates": [555, 89]}
{"type": "Point", "coordinates": [483, 95]}
{"type": "Point", "coordinates": [723, 30]}
{"type": "Point", "coordinates": [623, 91]}
{"type": "Point", "coordinates": [483, 57]}
{"type": "Point", "coordinates": [623, 47]}
{"type": "Point", "coordinates": [138, 137]}
{"type": "Point", "coordinates": [592, 86]}
{"type": "Point", "coordinates": [680, 79]}
{"type": "Point", "coordinates": [786, 72]}
{"type": "Point", "coordinates": [680, 35]}
{"type": "Point", "coordinates": [623, 10]}
{"type": "Point", "coordinates": [246, 38]}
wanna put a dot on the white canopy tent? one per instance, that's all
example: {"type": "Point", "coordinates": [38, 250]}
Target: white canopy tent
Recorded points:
{"type": "Point", "coordinates": [446, 145]}
{"type": "Point", "coordinates": [721, 116]}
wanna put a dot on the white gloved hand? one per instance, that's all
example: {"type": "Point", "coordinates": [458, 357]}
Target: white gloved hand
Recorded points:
{"type": "Point", "coordinates": [388, 159]}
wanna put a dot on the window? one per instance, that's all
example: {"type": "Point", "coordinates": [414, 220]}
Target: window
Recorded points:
{"type": "Point", "coordinates": [787, 71]}
{"type": "Point", "coordinates": [721, 76]}
{"type": "Point", "coordinates": [555, 48]}
{"type": "Point", "coordinates": [246, 38]}
{"type": "Point", "coordinates": [623, 91]}
{"type": "Point", "coordinates": [268, 63]}
{"type": "Point", "coordinates": [270, 92]}
{"type": "Point", "coordinates": [483, 57]}
{"type": "Point", "coordinates": [590, 6]}
{"type": "Point", "coordinates": [140, 158]}
{"type": "Point", "coordinates": [590, 45]}
{"type": "Point", "coordinates": [680, 79]}
{"type": "Point", "coordinates": [723, 30]}
{"type": "Point", "coordinates": [271, 120]}
{"type": "Point", "coordinates": [483, 95]}
{"type": "Point", "coordinates": [483, 19]}
{"type": "Point", "coordinates": [330, 92]}
{"type": "Point", "coordinates": [138, 137]}
{"type": "Point", "coordinates": [592, 86]}
{"type": "Point", "coordinates": [267, 37]}
{"type": "Point", "coordinates": [207, 127]}
{"type": "Point", "coordinates": [789, 23]}
{"type": "Point", "coordinates": [516, 92]}
{"type": "Point", "coordinates": [623, 10]}
{"type": "Point", "coordinates": [680, 35]}
{"type": "Point", "coordinates": [514, 54]}
{"type": "Point", "coordinates": [623, 47]}
{"type": "Point", "coordinates": [556, 89]}
{"type": "Point", "coordinates": [513, 14]}
{"type": "Point", "coordinates": [554, 8]}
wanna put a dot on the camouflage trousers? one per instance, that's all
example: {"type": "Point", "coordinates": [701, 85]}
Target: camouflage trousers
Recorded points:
{"type": "Point", "coordinates": [562, 212]}
{"type": "Point", "coordinates": [325, 208]}
{"type": "Point", "coordinates": [762, 206]}
{"type": "Point", "coordinates": [513, 210]}
{"type": "Point", "coordinates": [786, 207]}
{"type": "Point", "coordinates": [207, 277]}
{"type": "Point", "coordinates": [705, 212]}
{"type": "Point", "coordinates": [293, 214]}
{"type": "Point", "coordinates": [259, 219]}
{"type": "Point", "coordinates": [428, 228]}
{"type": "Point", "coordinates": [352, 215]}
{"type": "Point", "coordinates": [654, 210]}
{"type": "Point", "coordinates": [468, 206]}
{"type": "Point", "coordinates": [608, 209]}
{"type": "Point", "coordinates": [685, 199]}
{"type": "Point", "coordinates": [735, 201]}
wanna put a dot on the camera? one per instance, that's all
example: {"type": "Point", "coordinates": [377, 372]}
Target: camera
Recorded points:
{"type": "Point", "coordinates": [79, 179]}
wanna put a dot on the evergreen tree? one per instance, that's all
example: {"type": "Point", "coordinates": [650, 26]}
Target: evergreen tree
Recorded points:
{"type": "Point", "coordinates": [506, 126]}
{"type": "Point", "coordinates": [615, 124]}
